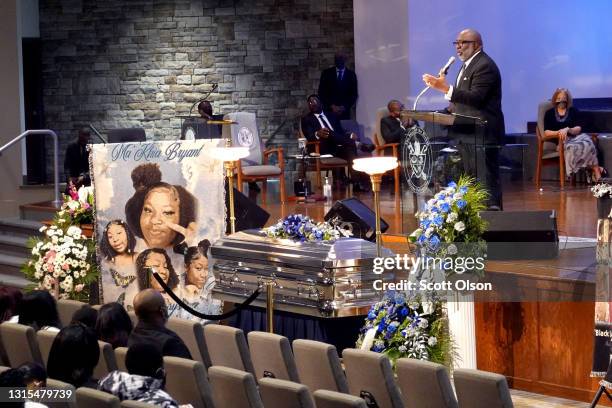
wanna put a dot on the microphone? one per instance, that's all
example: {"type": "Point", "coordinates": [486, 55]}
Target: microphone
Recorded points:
{"type": "Point", "coordinates": [444, 69]}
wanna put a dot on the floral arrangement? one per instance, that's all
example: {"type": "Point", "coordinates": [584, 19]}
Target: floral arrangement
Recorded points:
{"type": "Point", "coordinates": [63, 262]}
{"type": "Point", "coordinates": [77, 207]}
{"type": "Point", "coordinates": [402, 327]}
{"type": "Point", "coordinates": [301, 228]}
{"type": "Point", "coordinates": [450, 223]}
{"type": "Point", "coordinates": [602, 190]}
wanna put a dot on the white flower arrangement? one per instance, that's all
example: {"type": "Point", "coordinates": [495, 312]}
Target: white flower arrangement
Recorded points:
{"type": "Point", "coordinates": [62, 262]}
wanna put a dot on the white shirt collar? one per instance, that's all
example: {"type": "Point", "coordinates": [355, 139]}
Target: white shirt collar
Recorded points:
{"type": "Point", "coordinates": [466, 63]}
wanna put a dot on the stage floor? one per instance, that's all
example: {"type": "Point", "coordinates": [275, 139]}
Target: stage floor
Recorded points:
{"type": "Point", "coordinates": [575, 206]}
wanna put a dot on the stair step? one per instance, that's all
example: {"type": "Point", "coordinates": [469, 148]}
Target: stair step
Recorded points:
{"type": "Point", "coordinates": [14, 281]}
{"type": "Point", "coordinates": [19, 227]}
{"type": "Point", "coordinates": [14, 245]}
{"type": "Point", "coordinates": [41, 211]}
{"type": "Point", "coordinates": [10, 270]}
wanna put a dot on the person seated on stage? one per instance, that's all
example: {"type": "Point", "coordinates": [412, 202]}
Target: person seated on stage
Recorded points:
{"type": "Point", "coordinates": [325, 128]}
{"type": "Point", "coordinates": [144, 381]}
{"type": "Point", "coordinates": [76, 160]}
{"type": "Point", "coordinates": [38, 310]}
{"type": "Point", "coordinates": [392, 128]}
{"type": "Point", "coordinates": [152, 315]}
{"type": "Point", "coordinates": [560, 122]}
{"type": "Point", "coordinates": [113, 325]}
{"type": "Point", "coordinates": [73, 356]}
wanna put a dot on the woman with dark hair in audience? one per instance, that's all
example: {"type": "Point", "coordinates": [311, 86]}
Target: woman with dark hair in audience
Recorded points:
{"type": "Point", "coordinates": [38, 309]}
{"type": "Point", "coordinates": [113, 325]}
{"type": "Point", "coordinates": [73, 356]}
{"type": "Point", "coordinates": [34, 375]}
{"type": "Point", "coordinates": [86, 315]}
{"type": "Point", "coordinates": [9, 300]}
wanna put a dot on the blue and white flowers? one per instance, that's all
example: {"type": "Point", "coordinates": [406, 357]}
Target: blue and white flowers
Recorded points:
{"type": "Point", "coordinates": [406, 327]}
{"type": "Point", "coordinates": [301, 228]}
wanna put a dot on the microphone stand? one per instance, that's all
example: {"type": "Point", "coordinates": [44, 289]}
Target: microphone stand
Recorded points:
{"type": "Point", "coordinates": [97, 133]}
{"type": "Point", "coordinates": [215, 86]}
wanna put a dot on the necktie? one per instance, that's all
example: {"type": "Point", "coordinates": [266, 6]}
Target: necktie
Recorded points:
{"type": "Point", "coordinates": [340, 72]}
{"type": "Point", "coordinates": [323, 119]}
{"type": "Point", "coordinates": [461, 71]}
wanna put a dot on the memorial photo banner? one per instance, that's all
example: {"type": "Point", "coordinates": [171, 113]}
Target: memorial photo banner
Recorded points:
{"type": "Point", "coordinates": [158, 205]}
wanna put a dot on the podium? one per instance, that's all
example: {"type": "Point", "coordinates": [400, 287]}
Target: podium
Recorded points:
{"type": "Point", "coordinates": [195, 127]}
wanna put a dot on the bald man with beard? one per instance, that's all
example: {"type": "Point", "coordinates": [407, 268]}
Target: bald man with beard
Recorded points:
{"type": "Point", "coordinates": [150, 308]}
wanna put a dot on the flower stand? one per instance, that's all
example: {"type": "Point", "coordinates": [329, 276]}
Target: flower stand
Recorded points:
{"type": "Point", "coordinates": [462, 326]}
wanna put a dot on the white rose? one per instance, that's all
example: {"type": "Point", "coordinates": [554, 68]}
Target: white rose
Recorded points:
{"type": "Point", "coordinates": [432, 341]}
{"type": "Point", "coordinates": [428, 232]}
{"type": "Point", "coordinates": [452, 217]}
{"type": "Point", "coordinates": [452, 249]}
{"type": "Point", "coordinates": [459, 226]}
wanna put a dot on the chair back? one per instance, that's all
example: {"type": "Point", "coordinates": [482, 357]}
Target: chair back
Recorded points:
{"type": "Point", "coordinates": [542, 108]}
{"type": "Point", "coordinates": [90, 398]}
{"type": "Point", "coordinates": [370, 376]}
{"type": "Point", "coordinates": [60, 385]}
{"type": "Point", "coordinates": [135, 404]}
{"type": "Point", "coordinates": [45, 340]}
{"type": "Point", "coordinates": [192, 334]}
{"type": "Point", "coordinates": [272, 356]}
{"type": "Point", "coordinates": [228, 347]}
{"type": "Point", "coordinates": [481, 389]}
{"type": "Point", "coordinates": [187, 382]}
{"type": "Point", "coordinates": [333, 399]}
{"type": "Point", "coordinates": [234, 388]}
{"type": "Point", "coordinates": [277, 393]}
{"type": "Point", "coordinates": [20, 341]}
{"type": "Point", "coordinates": [66, 309]}
{"type": "Point", "coordinates": [319, 366]}
{"type": "Point", "coordinates": [424, 384]}
{"type": "Point", "coordinates": [106, 361]}
{"type": "Point", "coordinates": [380, 113]}
{"type": "Point", "coordinates": [120, 353]}
{"type": "Point", "coordinates": [245, 134]}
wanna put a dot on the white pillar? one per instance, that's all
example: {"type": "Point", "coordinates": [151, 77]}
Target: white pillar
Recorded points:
{"type": "Point", "coordinates": [462, 327]}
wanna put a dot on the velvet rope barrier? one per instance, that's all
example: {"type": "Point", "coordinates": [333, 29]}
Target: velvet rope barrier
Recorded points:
{"type": "Point", "coordinates": [182, 304]}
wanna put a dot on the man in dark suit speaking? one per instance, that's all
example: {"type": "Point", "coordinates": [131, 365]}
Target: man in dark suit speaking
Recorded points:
{"type": "Point", "coordinates": [476, 92]}
{"type": "Point", "coordinates": [338, 88]}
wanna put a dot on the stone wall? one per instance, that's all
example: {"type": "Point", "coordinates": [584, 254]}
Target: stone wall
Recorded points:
{"type": "Point", "coordinates": [143, 63]}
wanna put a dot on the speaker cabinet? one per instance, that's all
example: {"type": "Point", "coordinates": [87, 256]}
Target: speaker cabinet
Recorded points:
{"type": "Point", "coordinates": [248, 214]}
{"type": "Point", "coordinates": [353, 215]}
{"type": "Point", "coordinates": [521, 234]}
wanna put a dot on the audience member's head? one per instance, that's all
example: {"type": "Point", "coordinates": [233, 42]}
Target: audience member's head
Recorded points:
{"type": "Point", "coordinates": [73, 355]}
{"type": "Point", "coordinates": [38, 310]}
{"type": "Point", "coordinates": [12, 378]}
{"type": "Point", "coordinates": [9, 301]}
{"type": "Point", "coordinates": [205, 110]}
{"type": "Point", "coordinates": [34, 375]}
{"type": "Point", "coordinates": [314, 103]}
{"type": "Point", "coordinates": [395, 107]}
{"type": "Point", "coordinates": [113, 325]}
{"type": "Point", "coordinates": [150, 307]}
{"type": "Point", "coordinates": [145, 359]}
{"type": "Point", "coordinates": [84, 135]}
{"type": "Point", "coordinates": [86, 315]}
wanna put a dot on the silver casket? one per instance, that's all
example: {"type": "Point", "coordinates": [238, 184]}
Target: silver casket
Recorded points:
{"type": "Point", "coordinates": [316, 279]}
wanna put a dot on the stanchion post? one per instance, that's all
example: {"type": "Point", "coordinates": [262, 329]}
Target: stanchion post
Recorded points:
{"type": "Point", "coordinates": [270, 305]}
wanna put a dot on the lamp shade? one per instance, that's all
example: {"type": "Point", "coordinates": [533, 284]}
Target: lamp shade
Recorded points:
{"type": "Point", "coordinates": [230, 153]}
{"type": "Point", "coordinates": [375, 165]}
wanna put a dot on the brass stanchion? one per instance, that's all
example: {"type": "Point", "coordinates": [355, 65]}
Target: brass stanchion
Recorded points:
{"type": "Point", "coordinates": [376, 180]}
{"type": "Point", "coordinates": [230, 154]}
{"type": "Point", "coordinates": [270, 305]}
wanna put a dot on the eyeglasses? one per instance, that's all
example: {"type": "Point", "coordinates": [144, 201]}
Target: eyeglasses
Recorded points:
{"type": "Point", "coordinates": [461, 43]}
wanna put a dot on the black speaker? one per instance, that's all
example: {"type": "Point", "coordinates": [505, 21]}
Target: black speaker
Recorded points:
{"type": "Point", "coordinates": [127, 135]}
{"type": "Point", "coordinates": [248, 214]}
{"type": "Point", "coordinates": [355, 216]}
{"type": "Point", "coordinates": [521, 234]}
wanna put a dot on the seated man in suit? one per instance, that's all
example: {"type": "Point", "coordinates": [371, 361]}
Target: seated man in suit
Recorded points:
{"type": "Point", "coordinates": [392, 128]}
{"type": "Point", "coordinates": [326, 128]}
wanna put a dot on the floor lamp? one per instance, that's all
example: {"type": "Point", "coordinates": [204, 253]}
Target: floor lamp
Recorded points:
{"type": "Point", "coordinates": [230, 155]}
{"type": "Point", "coordinates": [375, 167]}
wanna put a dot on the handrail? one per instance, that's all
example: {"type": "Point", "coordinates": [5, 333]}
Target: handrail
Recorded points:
{"type": "Point", "coordinates": [57, 200]}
